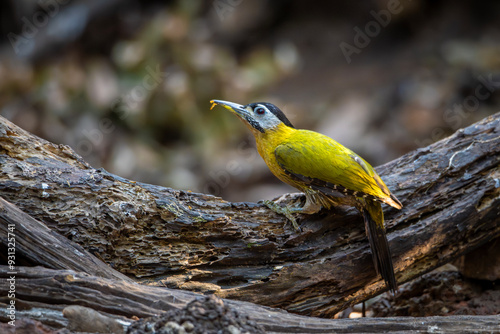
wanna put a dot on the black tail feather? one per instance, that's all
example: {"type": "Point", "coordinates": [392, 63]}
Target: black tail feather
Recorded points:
{"type": "Point", "coordinates": [375, 230]}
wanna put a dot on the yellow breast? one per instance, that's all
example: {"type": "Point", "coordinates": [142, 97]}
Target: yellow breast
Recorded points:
{"type": "Point", "coordinates": [266, 145]}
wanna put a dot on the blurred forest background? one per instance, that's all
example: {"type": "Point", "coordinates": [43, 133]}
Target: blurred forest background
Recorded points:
{"type": "Point", "coordinates": [127, 83]}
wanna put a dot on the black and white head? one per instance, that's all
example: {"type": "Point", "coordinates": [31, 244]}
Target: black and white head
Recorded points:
{"type": "Point", "coordinates": [260, 116]}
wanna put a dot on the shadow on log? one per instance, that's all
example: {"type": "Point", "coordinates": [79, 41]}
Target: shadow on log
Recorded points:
{"type": "Point", "coordinates": [450, 192]}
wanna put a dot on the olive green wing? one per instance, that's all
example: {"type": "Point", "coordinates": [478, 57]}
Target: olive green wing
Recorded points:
{"type": "Point", "coordinates": [325, 165]}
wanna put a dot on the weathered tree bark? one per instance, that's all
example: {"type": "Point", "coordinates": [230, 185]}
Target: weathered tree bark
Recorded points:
{"type": "Point", "coordinates": [125, 299]}
{"type": "Point", "coordinates": [34, 241]}
{"type": "Point", "coordinates": [450, 190]}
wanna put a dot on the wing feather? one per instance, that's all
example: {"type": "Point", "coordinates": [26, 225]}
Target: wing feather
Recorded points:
{"type": "Point", "coordinates": [323, 163]}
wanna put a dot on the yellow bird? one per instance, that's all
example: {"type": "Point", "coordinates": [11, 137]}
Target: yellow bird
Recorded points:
{"type": "Point", "coordinates": [326, 172]}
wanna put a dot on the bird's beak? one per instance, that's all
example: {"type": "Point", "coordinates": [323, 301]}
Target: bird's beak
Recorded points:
{"type": "Point", "coordinates": [236, 108]}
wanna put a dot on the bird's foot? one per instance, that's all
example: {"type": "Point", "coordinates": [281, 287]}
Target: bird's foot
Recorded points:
{"type": "Point", "coordinates": [285, 211]}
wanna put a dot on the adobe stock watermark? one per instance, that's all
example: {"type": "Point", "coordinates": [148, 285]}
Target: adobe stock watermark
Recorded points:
{"type": "Point", "coordinates": [218, 180]}
{"type": "Point", "coordinates": [122, 106]}
{"type": "Point", "coordinates": [23, 43]}
{"type": "Point", "coordinates": [455, 116]}
{"type": "Point", "coordinates": [224, 8]}
{"type": "Point", "coordinates": [11, 280]}
{"type": "Point", "coordinates": [372, 29]}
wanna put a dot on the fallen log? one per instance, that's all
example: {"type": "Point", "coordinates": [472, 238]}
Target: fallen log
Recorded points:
{"type": "Point", "coordinates": [450, 191]}
{"type": "Point", "coordinates": [121, 299]}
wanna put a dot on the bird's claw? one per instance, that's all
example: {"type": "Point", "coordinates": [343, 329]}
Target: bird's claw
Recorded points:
{"type": "Point", "coordinates": [285, 211]}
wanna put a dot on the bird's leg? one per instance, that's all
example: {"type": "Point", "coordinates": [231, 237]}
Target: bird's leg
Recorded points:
{"type": "Point", "coordinates": [308, 208]}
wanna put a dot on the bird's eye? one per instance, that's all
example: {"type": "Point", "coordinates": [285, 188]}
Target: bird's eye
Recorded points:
{"type": "Point", "coordinates": [260, 111]}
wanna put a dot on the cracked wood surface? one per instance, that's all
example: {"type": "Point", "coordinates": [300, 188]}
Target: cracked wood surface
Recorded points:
{"type": "Point", "coordinates": [38, 244]}
{"type": "Point", "coordinates": [450, 192]}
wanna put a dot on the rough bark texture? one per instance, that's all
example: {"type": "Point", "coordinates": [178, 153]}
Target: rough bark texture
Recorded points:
{"type": "Point", "coordinates": [37, 243]}
{"type": "Point", "coordinates": [450, 192]}
{"type": "Point", "coordinates": [120, 299]}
